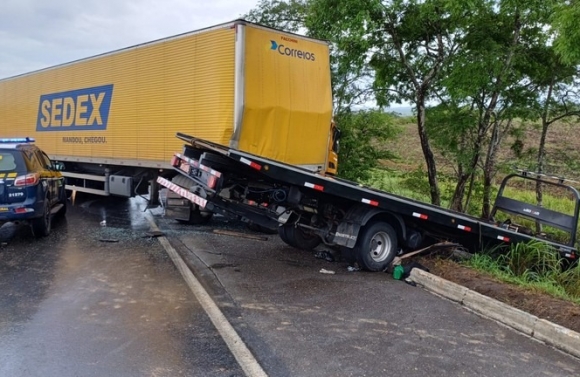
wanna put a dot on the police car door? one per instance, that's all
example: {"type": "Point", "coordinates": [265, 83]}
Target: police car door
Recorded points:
{"type": "Point", "coordinates": [49, 176]}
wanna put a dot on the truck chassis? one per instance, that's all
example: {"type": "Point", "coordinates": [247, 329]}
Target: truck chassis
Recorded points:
{"type": "Point", "coordinates": [309, 208]}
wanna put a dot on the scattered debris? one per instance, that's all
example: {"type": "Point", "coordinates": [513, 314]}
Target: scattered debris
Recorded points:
{"type": "Point", "coordinates": [398, 272]}
{"type": "Point", "coordinates": [352, 268]}
{"type": "Point", "coordinates": [326, 255]}
{"type": "Point", "coordinates": [461, 254]}
{"type": "Point", "coordinates": [325, 271]}
{"type": "Point", "coordinates": [104, 223]}
{"type": "Point", "coordinates": [238, 234]}
{"type": "Point", "coordinates": [111, 240]}
{"type": "Point", "coordinates": [402, 272]}
{"type": "Point", "coordinates": [154, 234]}
{"type": "Point", "coordinates": [434, 247]}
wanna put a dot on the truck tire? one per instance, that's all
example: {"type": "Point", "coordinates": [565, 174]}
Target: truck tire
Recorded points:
{"type": "Point", "coordinates": [41, 225]}
{"type": "Point", "coordinates": [296, 237]}
{"type": "Point", "coordinates": [197, 216]}
{"type": "Point", "coordinates": [284, 237]}
{"type": "Point", "coordinates": [376, 246]}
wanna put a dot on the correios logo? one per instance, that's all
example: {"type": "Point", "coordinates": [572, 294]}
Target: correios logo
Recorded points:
{"type": "Point", "coordinates": [293, 52]}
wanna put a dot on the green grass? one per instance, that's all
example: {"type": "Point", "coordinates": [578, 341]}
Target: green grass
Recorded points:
{"type": "Point", "coordinates": [534, 266]}
{"type": "Point", "coordinates": [412, 185]}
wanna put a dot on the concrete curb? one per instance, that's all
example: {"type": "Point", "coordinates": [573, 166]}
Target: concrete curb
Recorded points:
{"type": "Point", "coordinates": [550, 333]}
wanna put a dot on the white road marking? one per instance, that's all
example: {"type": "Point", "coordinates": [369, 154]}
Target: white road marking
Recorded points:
{"type": "Point", "coordinates": [244, 357]}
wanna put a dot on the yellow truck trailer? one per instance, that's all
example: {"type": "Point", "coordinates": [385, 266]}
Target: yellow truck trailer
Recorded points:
{"type": "Point", "coordinates": [111, 119]}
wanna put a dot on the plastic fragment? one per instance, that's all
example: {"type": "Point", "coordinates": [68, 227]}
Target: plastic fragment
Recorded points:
{"type": "Point", "coordinates": [324, 255]}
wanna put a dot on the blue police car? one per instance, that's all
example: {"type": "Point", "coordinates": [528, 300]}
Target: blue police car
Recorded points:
{"type": "Point", "coordinates": [32, 189]}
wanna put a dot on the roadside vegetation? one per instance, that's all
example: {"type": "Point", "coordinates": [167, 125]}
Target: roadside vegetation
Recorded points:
{"type": "Point", "coordinates": [493, 85]}
{"type": "Point", "coordinates": [534, 266]}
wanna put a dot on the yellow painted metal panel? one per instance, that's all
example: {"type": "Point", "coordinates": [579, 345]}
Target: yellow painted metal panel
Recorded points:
{"type": "Point", "coordinates": [288, 99]}
{"type": "Point", "coordinates": [182, 84]}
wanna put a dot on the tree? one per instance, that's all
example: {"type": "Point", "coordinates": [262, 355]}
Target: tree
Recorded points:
{"type": "Point", "coordinates": [565, 24]}
{"type": "Point", "coordinates": [407, 43]}
{"type": "Point", "coordinates": [363, 131]}
{"type": "Point", "coordinates": [285, 15]}
{"type": "Point", "coordinates": [556, 99]}
{"type": "Point", "coordinates": [488, 76]}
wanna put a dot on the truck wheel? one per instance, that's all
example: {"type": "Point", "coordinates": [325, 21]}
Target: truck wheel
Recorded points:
{"type": "Point", "coordinates": [376, 246]}
{"type": "Point", "coordinates": [282, 233]}
{"type": "Point", "coordinates": [41, 225]}
{"type": "Point", "coordinates": [296, 237]}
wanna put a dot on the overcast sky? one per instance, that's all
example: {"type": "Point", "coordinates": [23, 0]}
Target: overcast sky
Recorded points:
{"type": "Point", "coordinates": [36, 34]}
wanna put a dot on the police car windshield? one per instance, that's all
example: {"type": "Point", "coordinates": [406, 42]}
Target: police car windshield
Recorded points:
{"type": "Point", "coordinates": [7, 161]}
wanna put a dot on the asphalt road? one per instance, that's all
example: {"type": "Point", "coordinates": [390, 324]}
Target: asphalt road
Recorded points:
{"type": "Point", "coordinates": [300, 322]}
{"type": "Point", "coordinates": [93, 300]}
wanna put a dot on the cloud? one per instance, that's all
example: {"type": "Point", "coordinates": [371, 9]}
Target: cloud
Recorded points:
{"type": "Point", "coordinates": [36, 34]}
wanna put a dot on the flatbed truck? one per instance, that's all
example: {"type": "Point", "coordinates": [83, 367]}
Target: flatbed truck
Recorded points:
{"type": "Point", "coordinates": [309, 208]}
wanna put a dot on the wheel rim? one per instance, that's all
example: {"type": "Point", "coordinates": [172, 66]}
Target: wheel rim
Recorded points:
{"type": "Point", "coordinates": [380, 247]}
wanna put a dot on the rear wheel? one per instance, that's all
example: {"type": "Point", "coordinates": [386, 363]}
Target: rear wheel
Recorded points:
{"type": "Point", "coordinates": [376, 246]}
{"type": "Point", "coordinates": [284, 237]}
{"type": "Point", "coordinates": [296, 237]}
{"type": "Point", "coordinates": [41, 225]}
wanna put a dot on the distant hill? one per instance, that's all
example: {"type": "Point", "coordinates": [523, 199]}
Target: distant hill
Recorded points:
{"type": "Point", "coordinates": [402, 110]}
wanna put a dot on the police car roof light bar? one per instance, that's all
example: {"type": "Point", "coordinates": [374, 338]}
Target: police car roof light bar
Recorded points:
{"type": "Point", "coordinates": [17, 140]}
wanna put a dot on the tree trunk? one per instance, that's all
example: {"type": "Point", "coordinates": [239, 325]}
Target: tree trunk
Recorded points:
{"type": "Point", "coordinates": [490, 163]}
{"type": "Point", "coordinates": [464, 174]}
{"type": "Point", "coordinates": [427, 152]}
{"type": "Point", "coordinates": [469, 191]}
{"type": "Point", "coordinates": [459, 193]}
{"type": "Point", "coordinates": [542, 150]}
{"type": "Point", "coordinates": [541, 167]}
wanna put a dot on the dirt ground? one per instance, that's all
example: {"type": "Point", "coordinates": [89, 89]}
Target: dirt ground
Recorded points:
{"type": "Point", "coordinates": [558, 311]}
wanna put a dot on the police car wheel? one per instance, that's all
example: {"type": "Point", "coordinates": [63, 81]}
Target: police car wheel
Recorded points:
{"type": "Point", "coordinates": [41, 225]}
